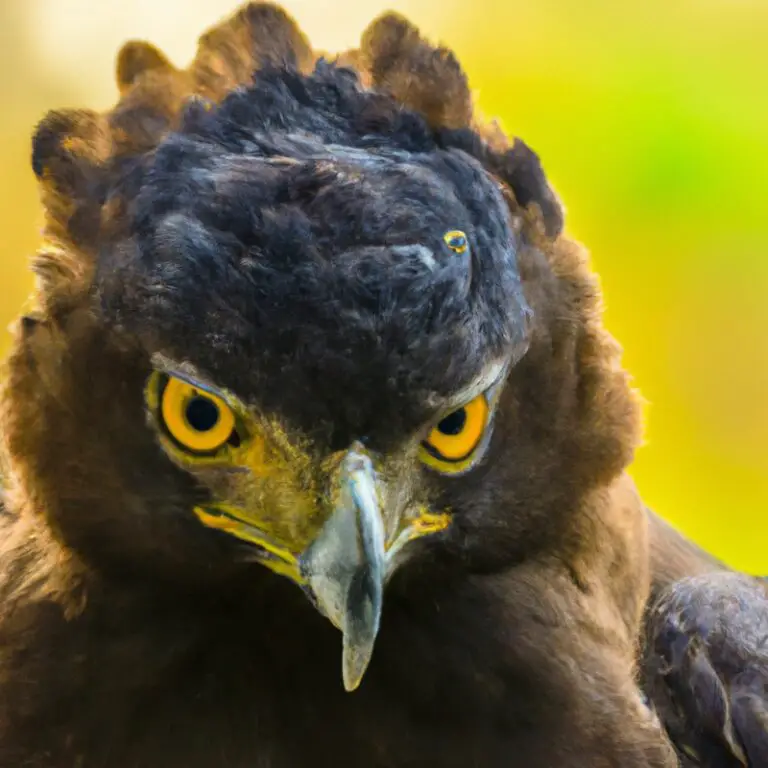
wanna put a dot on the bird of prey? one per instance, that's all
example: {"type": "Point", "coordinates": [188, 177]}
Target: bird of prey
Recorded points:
{"type": "Point", "coordinates": [314, 445]}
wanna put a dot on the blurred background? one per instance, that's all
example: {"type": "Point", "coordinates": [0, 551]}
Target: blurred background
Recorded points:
{"type": "Point", "coordinates": [651, 118]}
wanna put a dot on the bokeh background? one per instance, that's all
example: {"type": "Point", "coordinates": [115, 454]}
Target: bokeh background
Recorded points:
{"type": "Point", "coordinates": [651, 117]}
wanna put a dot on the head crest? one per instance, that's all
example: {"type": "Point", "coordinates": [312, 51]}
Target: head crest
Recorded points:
{"type": "Point", "coordinates": [81, 157]}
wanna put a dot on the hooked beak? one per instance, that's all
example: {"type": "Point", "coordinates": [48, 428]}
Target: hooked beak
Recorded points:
{"type": "Point", "coordinates": [345, 566]}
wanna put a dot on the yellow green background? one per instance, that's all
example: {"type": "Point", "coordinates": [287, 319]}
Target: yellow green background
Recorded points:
{"type": "Point", "coordinates": [651, 117]}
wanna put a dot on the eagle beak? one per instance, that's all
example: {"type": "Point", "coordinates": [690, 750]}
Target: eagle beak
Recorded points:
{"type": "Point", "coordinates": [345, 566]}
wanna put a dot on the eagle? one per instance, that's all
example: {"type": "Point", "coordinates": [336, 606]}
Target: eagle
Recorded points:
{"type": "Point", "coordinates": [315, 447]}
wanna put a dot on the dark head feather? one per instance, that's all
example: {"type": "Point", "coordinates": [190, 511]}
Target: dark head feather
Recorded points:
{"type": "Point", "coordinates": [74, 151]}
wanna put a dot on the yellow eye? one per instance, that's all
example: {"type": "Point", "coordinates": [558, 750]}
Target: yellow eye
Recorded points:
{"type": "Point", "coordinates": [451, 445]}
{"type": "Point", "coordinates": [456, 240]}
{"type": "Point", "coordinates": [197, 420]}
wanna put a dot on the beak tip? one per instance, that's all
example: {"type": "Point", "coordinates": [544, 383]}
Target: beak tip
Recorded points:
{"type": "Point", "coordinates": [350, 686]}
{"type": "Point", "coordinates": [356, 657]}
{"type": "Point", "coordinates": [353, 670]}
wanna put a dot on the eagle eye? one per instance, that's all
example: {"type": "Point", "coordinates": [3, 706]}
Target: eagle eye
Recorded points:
{"type": "Point", "coordinates": [197, 421]}
{"type": "Point", "coordinates": [453, 443]}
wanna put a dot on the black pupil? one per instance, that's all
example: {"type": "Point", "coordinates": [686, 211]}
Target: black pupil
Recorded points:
{"type": "Point", "coordinates": [457, 243]}
{"type": "Point", "coordinates": [454, 423]}
{"type": "Point", "coordinates": [202, 414]}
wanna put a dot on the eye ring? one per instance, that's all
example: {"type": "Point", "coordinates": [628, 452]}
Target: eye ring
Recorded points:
{"type": "Point", "coordinates": [198, 421]}
{"type": "Point", "coordinates": [452, 444]}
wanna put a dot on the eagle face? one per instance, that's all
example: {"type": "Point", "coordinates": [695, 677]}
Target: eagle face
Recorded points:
{"type": "Point", "coordinates": [336, 523]}
{"type": "Point", "coordinates": [328, 318]}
